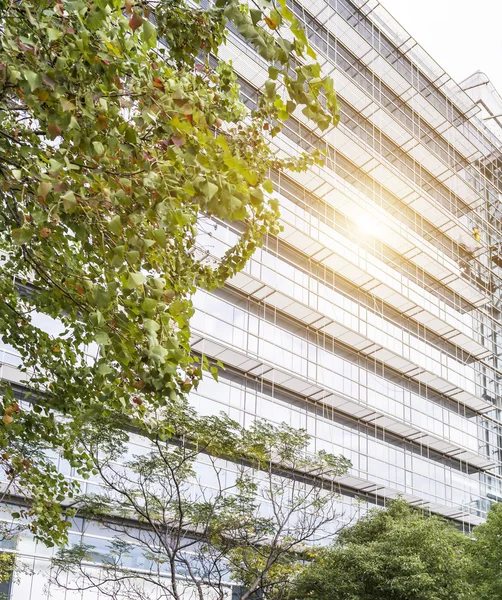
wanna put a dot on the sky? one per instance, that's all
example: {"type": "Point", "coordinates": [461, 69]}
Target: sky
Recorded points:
{"type": "Point", "coordinates": [462, 36]}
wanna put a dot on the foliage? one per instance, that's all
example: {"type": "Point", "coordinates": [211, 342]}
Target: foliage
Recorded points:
{"type": "Point", "coordinates": [486, 553]}
{"type": "Point", "coordinates": [7, 562]}
{"type": "Point", "coordinates": [224, 503]}
{"type": "Point", "coordinates": [113, 151]}
{"type": "Point", "coordinates": [399, 553]}
{"type": "Point", "coordinates": [11, 570]}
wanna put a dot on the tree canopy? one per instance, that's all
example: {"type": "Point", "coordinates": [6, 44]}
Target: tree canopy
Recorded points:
{"type": "Point", "coordinates": [121, 132]}
{"type": "Point", "coordinates": [486, 554]}
{"type": "Point", "coordinates": [399, 553]}
{"type": "Point", "coordinates": [226, 505]}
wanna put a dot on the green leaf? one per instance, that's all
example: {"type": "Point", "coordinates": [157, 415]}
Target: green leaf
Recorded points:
{"type": "Point", "coordinates": [150, 325]}
{"type": "Point", "coordinates": [149, 34]}
{"type": "Point", "coordinates": [209, 189]}
{"type": "Point", "coordinates": [270, 88]}
{"type": "Point", "coordinates": [273, 72]}
{"type": "Point", "coordinates": [55, 166]}
{"type": "Point", "coordinates": [67, 105]}
{"type": "Point", "coordinates": [299, 33]}
{"type": "Point", "coordinates": [149, 305]}
{"type": "Point", "coordinates": [132, 257]}
{"type": "Point", "coordinates": [115, 225]}
{"type": "Point", "coordinates": [99, 149]}
{"type": "Point", "coordinates": [134, 280]}
{"type": "Point", "coordinates": [268, 186]}
{"type": "Point", "coordinates": [160, 236]}
{"type": "Point", "coordinates": [96, 318]}
{"type": "Point", "coordinates": [158, 353]}
{"type": "Point", "coordinates": [256, 15]}
{"type": "Point", "coordinates": [130, 136]}
{"type": "Point", "coordinates": [118, 256]}
{"type": "Point", "coordinates": [21, 236]}
{"type": "Point", "coordinates": [274, 203]}
{"type": "Point", "coordinates": [102, 338]}
{"type": "Point", "coordinates": [103, 297]}
{"type": "Point", "coordinates": [311, 52]}
{"type": "Point", "coordinates": [69, 201]}
{"type": "Point", "coordinates": [104, 369]}
{"type": "Point", "coordinates": [34, 79]}
{"type": "Point", "coordinates": [53, 34]}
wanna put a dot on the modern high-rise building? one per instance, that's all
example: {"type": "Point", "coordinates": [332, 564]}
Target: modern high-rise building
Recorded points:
{"type": "Point", "coordinates": [374, 319]}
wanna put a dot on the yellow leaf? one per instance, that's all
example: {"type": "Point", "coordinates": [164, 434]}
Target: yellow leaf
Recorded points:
{"type": "Point", "coordinates": [271, 23]}
{"type": "Point", "coordinates": [42, 95]}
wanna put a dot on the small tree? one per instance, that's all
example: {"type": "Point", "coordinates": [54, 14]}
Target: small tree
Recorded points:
{"type": "Point", "coordinates": [486, 553]}
{"type": "Point", "coordinates": [246, 518]}
{"type": "Point", "coordinates": [400, 553]}
{"type": "Point", "coordinates": [11, 571]}
{"type": "Point", "coordinates": [7, 563]}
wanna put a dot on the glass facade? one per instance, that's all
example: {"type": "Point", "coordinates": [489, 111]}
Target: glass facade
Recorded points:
{"type": "Point", "coordinates": [374, 319]}
{"type": "Point", "coordinates": [378, 304]}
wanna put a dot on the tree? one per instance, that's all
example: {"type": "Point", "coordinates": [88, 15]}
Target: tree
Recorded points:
{"type": "Point", "coordinates": [11, 571]}
{"type": "Point", "coordinates": [486, 552]}
{"type": "Point", "coordinates": [7, 564]}
{"type": "Point", "coordinates": [399, 553]}
{"type": "Point", "coordinates": [246, 515]}
{"type": "Point", "coordinates": [114, 149]}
